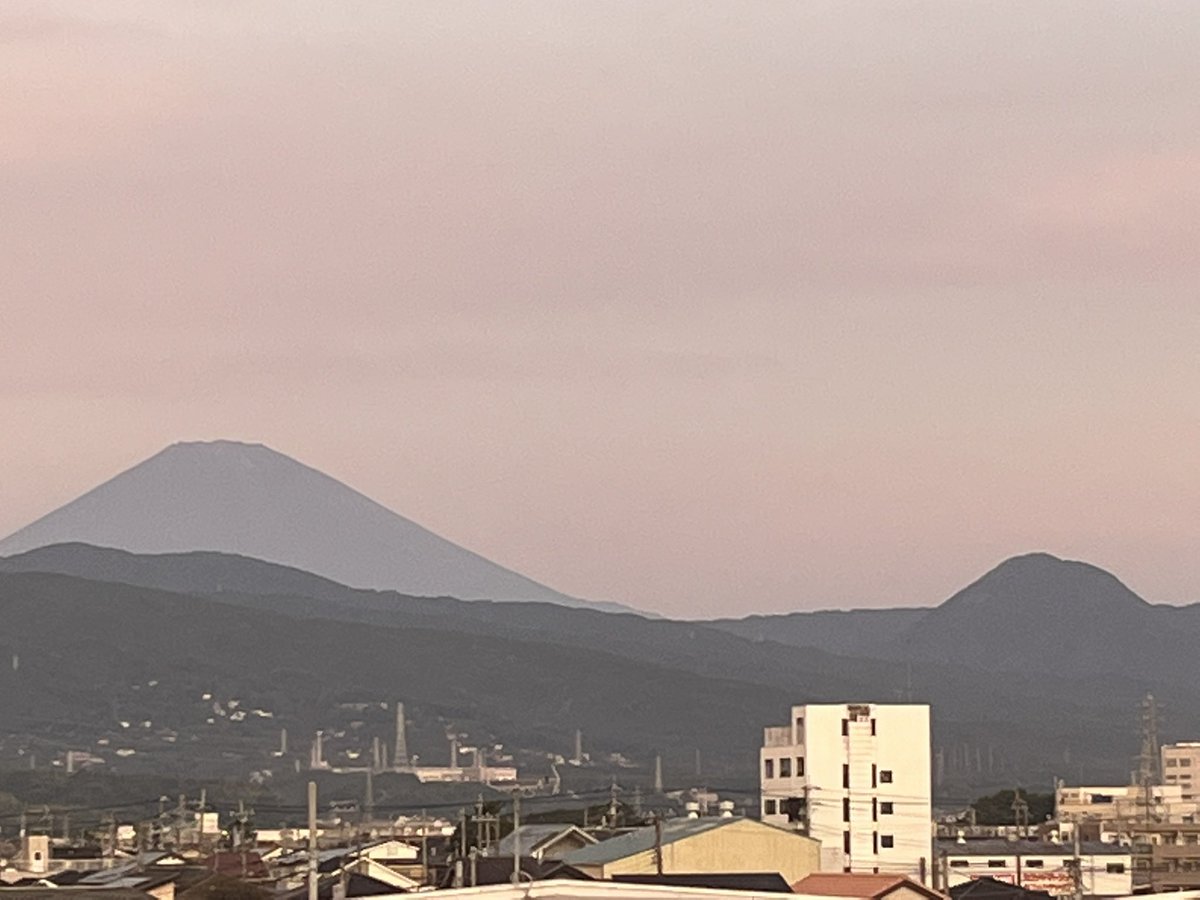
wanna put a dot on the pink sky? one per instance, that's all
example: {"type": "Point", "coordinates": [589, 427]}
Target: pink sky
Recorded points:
{"type": "Point", "coordinates": [708, 308]}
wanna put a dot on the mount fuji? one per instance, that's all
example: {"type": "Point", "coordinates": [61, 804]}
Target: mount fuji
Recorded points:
{"type": "Point", "coordinates": [250, 500]}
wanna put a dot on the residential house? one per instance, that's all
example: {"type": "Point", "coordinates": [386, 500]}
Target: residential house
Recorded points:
{"type": "Point", "coordinates": [858, 886]}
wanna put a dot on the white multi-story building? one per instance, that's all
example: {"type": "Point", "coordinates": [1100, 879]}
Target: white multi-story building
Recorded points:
{"type": "Point", "coordinates": [1181, 766]}
{"type": "Point", "coordinates": [1105, 870]}
{"type": "Point", "coordinates": [857, 778]}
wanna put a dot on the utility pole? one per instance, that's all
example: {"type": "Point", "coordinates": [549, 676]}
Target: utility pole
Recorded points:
{"type": "Point", "coordinates": [312, 841]}
{"type": "Point", "coordinates": [203, 804]}
{"type": "Point", "coordinates": [424, 849]}
{"type": "Point", "coordinates": [516, 875]}
{"type": "Point", "coordinates": [370, 805]}
{"type": "Point", "coordinates": [1020, 808]}
{"type": "Point", "coordinates": [658, 844]}
{"type": "Point", "coordinates": [1076, 865]}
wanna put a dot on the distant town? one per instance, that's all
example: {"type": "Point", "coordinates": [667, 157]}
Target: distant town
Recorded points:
{"type": "Point", "coordinates": [845, 808]}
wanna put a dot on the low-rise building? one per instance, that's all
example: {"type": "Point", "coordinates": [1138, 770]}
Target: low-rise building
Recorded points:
{"type": "Point", "coordinates": [692, 846]}
{"type": "Point", "coordinates": [1105, 870]}
{"type": "Point", "coordinates": [851, 886]}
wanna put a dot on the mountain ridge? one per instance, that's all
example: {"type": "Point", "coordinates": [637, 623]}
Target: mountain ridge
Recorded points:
{"type": "Point", "coordinates": [250, 500]}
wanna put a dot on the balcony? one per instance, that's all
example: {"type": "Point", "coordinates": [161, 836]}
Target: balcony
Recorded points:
{"type": "Point", "coordinates": [777, 737]}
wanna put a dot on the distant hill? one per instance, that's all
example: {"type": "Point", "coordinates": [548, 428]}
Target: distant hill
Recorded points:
{"type": "Point", "coordinates": [1038, 613]}
{"type": "Point", "coordinates": [249, 500]}
{"type": "Point", "coordinates": [854, 632]}
{"type": "Point", "coordinates": [1034, 613]}
{"type": "Point", "coordinates": [1036, 719]}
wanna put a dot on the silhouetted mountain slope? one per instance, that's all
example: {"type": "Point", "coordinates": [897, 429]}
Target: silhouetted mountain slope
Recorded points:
{"type": "Point", "coordinates": [250, 500]}
{"type": "Point", "coordinates": [1038, 613]}
{"type": "Point", "coordinates": [90, 650]}
{"type": "Point", "coordinates": [854, 632]}
{"type": "Point", "coordinates": [1026, 723]}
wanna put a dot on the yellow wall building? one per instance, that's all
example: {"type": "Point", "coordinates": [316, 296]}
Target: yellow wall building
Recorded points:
{"type": "Point", "coordinates": [706, 845]}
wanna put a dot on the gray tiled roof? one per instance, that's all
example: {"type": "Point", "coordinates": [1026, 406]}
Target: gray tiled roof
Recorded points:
{"type": "Point", "coordinates": [531, 836]}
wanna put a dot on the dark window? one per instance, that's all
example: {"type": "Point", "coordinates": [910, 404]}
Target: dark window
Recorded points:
{"type": "Point", "coordinates": [1033, 864]}
{"type": "Point", "coordinates": [845, 726]}
{"type": "Point", "coordinates": [795, 808]}
{"type": "Point", "coordinates": [875, 842]}
{"type": "Point", "coordinates": [1115, 868]}
{"type": "Point", "coordinates": [1184, 762]}
{"type": "Point", "coordinates": [785, 767]}
{"type": "Point", "coordinates": [874, 809]}
{"type": "Point", "coordinates": [887, 841]}
{"type": "Point", "coordinates": [874, 775]}
{"type": "Point", "coordinates": [845, 842]}
{"type": "Point", "coordinates": [845, 809]}
{"type": "Point", "coordinates": [799, 766]}
{"type": "Point", "coordinates": [887, 808]}
{"type": "Point", "coordinates": [799, 722]}
{"type": "Point", "coordinates": [845, 775]}
{"type": "Point", "coordinates": [769, 768]}
{"type": "Point", "coordinates": [872, 728]}
{"type": "Point", "coordinates": [769, 807]}
{"type": "Point", "coordinates": [995, 864]}
{"type": "Point", "coordinates": [885, 776]}
{"type": "Point", "coordinates": [1171, 763]}
{"type": "Point", "coordinates": [958, 863]}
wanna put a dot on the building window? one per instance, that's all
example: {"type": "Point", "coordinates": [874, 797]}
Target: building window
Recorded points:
{"type": "Point", "coordinates": [887, 841]}
{"type": "Point", "coordinates": [845, 842]}
{"type": "Point", "coordinates": [887, 808]}
{"type": "Point", "coordinates": [885, 776]}
{"type": "Point", "coordinates": [958, 863]}
{"type": "Point", "coordinates": [875, 842]}
{"type": "Point", "coordinates": [769, 807]}
{"type": "Point", "coordinates": [872, 728]}
{"type": "Point", "coordinates": [799, 766]}
{"type": "Point", "coordinates": [1171, 763]}
{"type": "Point", "coordinates": [769, 768]}
{"type": "Point", "coordinates": [1115, 868]}
{"type": "Point", "coordinates": [796, 808]}
{"type": "Point", "coordinates": [874, 809]}
{"type": "Point", "coordinates": [785, 767]}
{"type": "Point", "coordinates": [845, 726]}
{"type": "Point", "coordinates": [845, 775]}
{"type": "Point", "coordinates": [1184, 763]}
{"type": "Point", "coordinates": [845, 809]}
{"type": "Point", "coordinates": [995, 864]}
{"type": "Point", "coordinates": [1033, 864]}
{"type": "Point", "coordinates": [799, 722]}
{"type": "Point", "coordinates": [874, 775]}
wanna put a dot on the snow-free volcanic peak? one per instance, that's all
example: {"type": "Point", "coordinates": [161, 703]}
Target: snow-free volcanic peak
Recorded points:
{"type": "Point", "coordinates": [249, 499]}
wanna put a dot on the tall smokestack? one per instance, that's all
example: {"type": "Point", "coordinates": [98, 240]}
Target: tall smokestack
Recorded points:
{"type": "Point", "coordinates": [401, 753]}
{"type": "Point", "coordinates": [658, 785]}
{"type": "Point", "coordinates": [454, 751]}
{"type": "Point", "coordinates": [282, 741]}
{"type": "Point", "coordinates": [578, 746]}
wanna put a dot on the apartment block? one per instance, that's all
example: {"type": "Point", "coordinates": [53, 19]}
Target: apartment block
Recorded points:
{"type": "Point", "coordinates": [1181, 766]}
{"type": "Point", "coordinates": [856, 777]}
